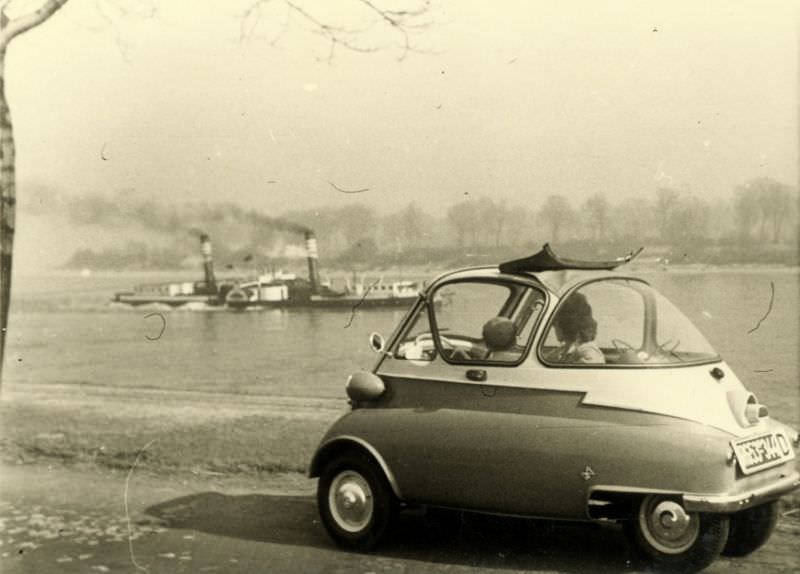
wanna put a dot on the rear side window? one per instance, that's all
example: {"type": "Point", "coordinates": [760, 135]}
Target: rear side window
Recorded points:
{"type": "Point", "coordinates": [621, 322]}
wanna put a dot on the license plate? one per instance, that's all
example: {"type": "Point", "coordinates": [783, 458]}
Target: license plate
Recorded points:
{"type": "Point", "coordinates": [763, 451]}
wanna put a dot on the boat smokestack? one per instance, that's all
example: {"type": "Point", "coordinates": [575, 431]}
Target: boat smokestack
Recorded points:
{"type": "Point", "coordinates": [208, 261]}
{"type": "Point", "coordinates": [313, 269]}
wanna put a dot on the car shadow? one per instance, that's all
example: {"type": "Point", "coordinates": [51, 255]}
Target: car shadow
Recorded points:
{"type": "Point", "coordinates": [464, 539]}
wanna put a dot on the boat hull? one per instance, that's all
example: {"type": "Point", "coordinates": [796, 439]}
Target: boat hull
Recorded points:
{"type": "Point", "coordinates": [344, 302]}
{"type": "Point", "coordinates": [135, 300]}
{"type": "Point", "coordinates": [316, 301]}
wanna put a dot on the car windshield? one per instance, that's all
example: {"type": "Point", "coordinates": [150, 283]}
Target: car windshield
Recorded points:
{"type": "Point", "coordinates": [622, 322]}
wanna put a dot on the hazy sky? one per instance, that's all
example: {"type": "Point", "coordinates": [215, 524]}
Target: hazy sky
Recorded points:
{"type": "Point", "coordinates": [517, 99]}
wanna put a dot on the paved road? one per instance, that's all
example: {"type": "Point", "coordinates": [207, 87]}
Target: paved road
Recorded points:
{"type": "Point", "coordinates": [57, 519]}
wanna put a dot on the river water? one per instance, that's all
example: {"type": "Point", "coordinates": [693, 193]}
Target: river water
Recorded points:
{"type": "Point", "coordinates": [64, 331]}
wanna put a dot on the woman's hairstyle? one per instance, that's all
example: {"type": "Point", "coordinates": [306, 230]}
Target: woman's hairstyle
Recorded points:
{"type": "Point", "coordinates": [575, 320]}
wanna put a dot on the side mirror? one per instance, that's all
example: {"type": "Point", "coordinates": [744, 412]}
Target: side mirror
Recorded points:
{"type": "Point", "coordinates": [376, 342]}
{"type": "Point", "coordinates": [364, 386]}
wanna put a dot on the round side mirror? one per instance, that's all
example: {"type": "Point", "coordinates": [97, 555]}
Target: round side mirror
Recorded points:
{"type": "Point", "coordinates": [376, 342]}
{"type": "Point", "coordinates": [364, 386]}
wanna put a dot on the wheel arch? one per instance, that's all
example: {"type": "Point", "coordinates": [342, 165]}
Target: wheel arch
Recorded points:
{"type": "Point", "coordinates": [335, 446]}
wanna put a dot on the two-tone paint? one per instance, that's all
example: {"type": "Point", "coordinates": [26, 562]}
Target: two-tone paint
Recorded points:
{"type": "Point", "coordinates": [552, 441]}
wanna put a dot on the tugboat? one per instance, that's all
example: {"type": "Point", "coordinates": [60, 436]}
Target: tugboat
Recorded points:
{"type": "Point", "coordinates": [287, 290]}
{"type": "Point", "coordinates": [274, 290]}
{"type": "Point", "coordinates": [174, 294]}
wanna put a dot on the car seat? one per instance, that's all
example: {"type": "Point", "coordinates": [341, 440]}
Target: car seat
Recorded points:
{"type": "Point", "coordinates": [499, 334]}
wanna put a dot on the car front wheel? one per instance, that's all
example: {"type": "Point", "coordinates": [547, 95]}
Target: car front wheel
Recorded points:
{"type": "Point", "coordinates": [355, 502]}
{"type": "Point", "coordinates": [675, 539]}
{"type": "Point", "coordinates": [750, 529]}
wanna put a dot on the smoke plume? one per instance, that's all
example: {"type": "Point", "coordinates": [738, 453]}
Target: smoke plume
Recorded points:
{"type": "Point", "coordinates": [126, 228]}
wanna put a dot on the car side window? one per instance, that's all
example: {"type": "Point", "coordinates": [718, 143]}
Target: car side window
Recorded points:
{"type": "Point", "coordinates": [484, 321]}
{"type": "Point", "coordinates": [602, 322]}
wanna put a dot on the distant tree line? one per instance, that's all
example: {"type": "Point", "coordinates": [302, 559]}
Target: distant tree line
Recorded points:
{"type": "Point", "coordinates": [758, 222]}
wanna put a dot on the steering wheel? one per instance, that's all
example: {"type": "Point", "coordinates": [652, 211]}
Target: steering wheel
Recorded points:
{"type": "Point", "coordinates": [662, 348]}
{"type": "Point", "coordinates": [619, 344]}
{"type": "Point", "coordinates": [456, 351]}
{"type": "Point", "coordinates": [427, 336]}
{"type": "Point", "coordinates": [460, 353]}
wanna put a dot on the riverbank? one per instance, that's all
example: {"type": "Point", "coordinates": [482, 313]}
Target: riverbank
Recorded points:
{"type": "Point", "coordinates": [169, 431]}
{"type": "Point", "coordinates": [216, 436]}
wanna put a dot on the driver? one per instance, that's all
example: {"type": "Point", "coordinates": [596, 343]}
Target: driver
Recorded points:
{"type": "Point", "coordinates": [576, 329]}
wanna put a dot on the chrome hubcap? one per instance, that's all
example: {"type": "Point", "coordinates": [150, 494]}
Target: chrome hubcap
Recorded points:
{"type": "Point", "coordinates": [350, 501]}
{"type": "Point", "coordinates": [667, 526]}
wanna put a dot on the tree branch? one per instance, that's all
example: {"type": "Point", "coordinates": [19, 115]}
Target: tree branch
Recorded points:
{"type": "Point", "coordinates": [14, 27]}
{"type": "Point", "coordinates": [400, 21]}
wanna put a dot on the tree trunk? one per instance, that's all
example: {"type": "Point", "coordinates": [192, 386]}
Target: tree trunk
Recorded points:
{"type": "Point", "coordinates": [10, 29]}
{"type": "Point", "coordinates": [8, 200]}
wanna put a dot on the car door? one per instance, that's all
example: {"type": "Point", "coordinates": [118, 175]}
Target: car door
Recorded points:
{"type": "Point", "coordinates": [455, 423]}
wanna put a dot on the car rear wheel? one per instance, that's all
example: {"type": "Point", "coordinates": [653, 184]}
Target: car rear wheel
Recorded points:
{"type": "Point", "coordinates": [675, 539]}
{"type": "Point", "coordinates": [750, 529]}
{"type": "Point", "coordinates": [355, 502]}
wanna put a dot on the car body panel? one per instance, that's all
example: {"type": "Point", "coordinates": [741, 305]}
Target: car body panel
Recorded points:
{"type": "Point", "coordinates": [537, 439]}
{"type": "Point", "coordinates": [532, 461]}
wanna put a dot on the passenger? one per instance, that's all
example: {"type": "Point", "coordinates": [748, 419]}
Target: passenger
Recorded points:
{"type": "Point", "coordinates": [576, 329]}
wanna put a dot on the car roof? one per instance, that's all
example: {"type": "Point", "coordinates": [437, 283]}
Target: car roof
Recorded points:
{"type": "Point", "coordinates": [556, 282]}
{"type": "Point", "coordinates": [555, 273]}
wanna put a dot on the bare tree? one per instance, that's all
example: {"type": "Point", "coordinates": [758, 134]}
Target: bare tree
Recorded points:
{"type": "Point", "coordinates": [776, 203]}
{"type": "Point", "coordinates": [10, 28]}
{"type": "Point", "coordinates": [765, 202]}
{"type": "Point", "coordinates": [556, 213]}
{"type": "Point", "coordinates": [496, 217]}
{"type": "Point", "coordinates": [402, 19]}
{"type": "Point", "coordinates": [381, 24]}
{"type": "Point", "coordinates": [747, 210]}
{"type": "Point", "coordinates": [633, 220]}
{"type": "Point", "coordinates": [597, 208]}
{"type": "Point", "coordinates": [464, 217]}
{"type": "Point", "coordinates": [667, 201]}
{"type": "Point", "coordinates": [416, 226]}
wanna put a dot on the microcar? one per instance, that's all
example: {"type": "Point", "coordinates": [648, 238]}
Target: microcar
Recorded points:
{"type": "Point", "coordinates": [552, 388]}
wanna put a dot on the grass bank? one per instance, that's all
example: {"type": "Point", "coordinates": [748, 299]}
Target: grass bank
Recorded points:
{"type": "Point", "coordinates": [168, 431]}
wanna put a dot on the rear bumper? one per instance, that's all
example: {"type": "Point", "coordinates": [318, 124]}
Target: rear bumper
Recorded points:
{"type": "Point", "coordinates": [726, 503]}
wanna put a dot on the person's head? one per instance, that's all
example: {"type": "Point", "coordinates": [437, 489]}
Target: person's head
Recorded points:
{"type": "Point", "coordinates": [574, 322]}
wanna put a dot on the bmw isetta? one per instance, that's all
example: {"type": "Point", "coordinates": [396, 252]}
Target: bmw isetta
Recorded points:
{"type": "Point", "coordinates": [555, 388]}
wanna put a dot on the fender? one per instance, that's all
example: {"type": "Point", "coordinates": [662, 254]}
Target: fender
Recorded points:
{"type": "Point", "coordinates": [333, 445]}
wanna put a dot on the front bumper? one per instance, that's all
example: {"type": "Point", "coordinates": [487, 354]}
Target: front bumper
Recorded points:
{"type": "Point", "coordinates": [726, 503]}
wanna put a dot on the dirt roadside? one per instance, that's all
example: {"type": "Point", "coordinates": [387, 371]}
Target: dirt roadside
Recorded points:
{"type": "Point", "coordinates": [218, 487]}
{"type": "Point", "coordinates": [57, 518]}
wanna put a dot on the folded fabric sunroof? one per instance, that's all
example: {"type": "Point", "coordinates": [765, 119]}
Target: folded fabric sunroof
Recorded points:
{"type": "Point", "coordinates": [547, 260]}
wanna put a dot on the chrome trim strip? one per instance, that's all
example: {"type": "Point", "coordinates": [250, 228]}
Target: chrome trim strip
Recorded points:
{"type": "Point", "coordinates": [722, 503]}
{"type": "Point", "coordinates": [736, 502]}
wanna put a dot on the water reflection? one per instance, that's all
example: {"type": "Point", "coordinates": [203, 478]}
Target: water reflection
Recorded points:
{"type": "Point", "coordinates": [209, 330]}
{"type": "Point", "coordinates": [274, 319]}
